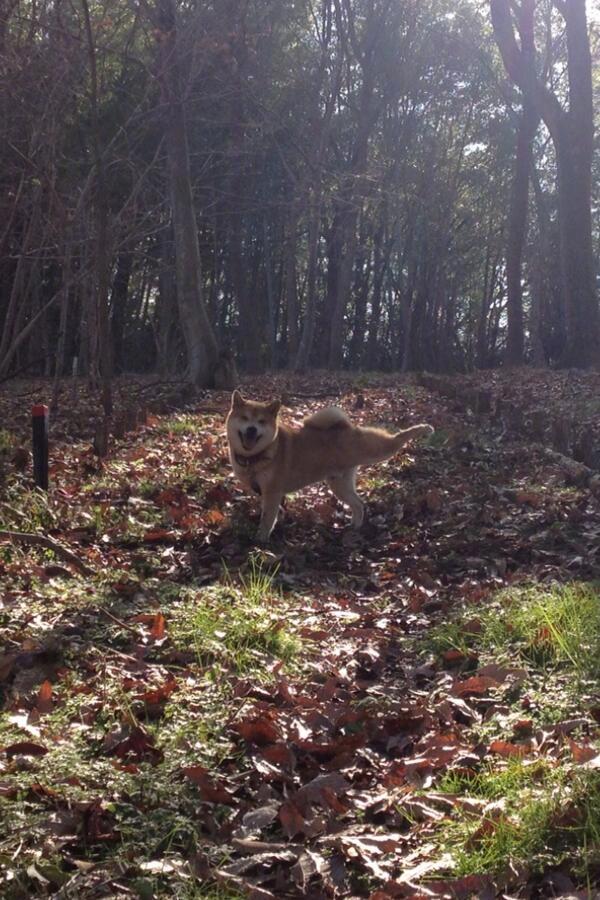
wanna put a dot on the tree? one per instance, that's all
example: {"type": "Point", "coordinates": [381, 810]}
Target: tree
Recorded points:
{"type": "Point", "coordinates": [527, 126]}
{"type": "Point", "coordinates": [201, 344]}
{"type": "Point", "coordinates": [571, 126]}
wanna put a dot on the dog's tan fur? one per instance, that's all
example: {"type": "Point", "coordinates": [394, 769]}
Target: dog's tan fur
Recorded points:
{"type": "Point", "coordinates": [272, 459]}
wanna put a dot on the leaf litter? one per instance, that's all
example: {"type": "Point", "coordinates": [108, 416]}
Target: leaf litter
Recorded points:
{"type": "Point", "coordinates": [134, 762]}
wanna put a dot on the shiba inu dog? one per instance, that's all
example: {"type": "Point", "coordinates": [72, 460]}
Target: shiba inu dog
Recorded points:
{"type": "Point", "coordinates": [272, 459]}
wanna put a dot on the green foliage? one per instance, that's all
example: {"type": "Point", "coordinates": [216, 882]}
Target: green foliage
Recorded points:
{"type": "Point", "coordinates": [555, 627]}
{"type": "Point", "coordinates": [181, 425]}
{"type": "Point", "coordinates": [240, 626]}
{"type": "Point", "coordinates": [538, 817]}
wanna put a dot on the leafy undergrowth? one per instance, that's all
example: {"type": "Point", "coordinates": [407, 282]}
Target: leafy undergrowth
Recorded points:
{"type": "Point", "coordinates": [409, 711]}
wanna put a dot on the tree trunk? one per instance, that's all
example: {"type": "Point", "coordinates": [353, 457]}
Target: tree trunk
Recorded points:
{"type": "Point", "coordinates": [310, 313]}
{"type": "Point", "coordinates": [59, 363]}
{"type": "Point", "coordinates": [118, 305]}
{"type": "Point", "coordinates": [290, 286]}
{"type": "Point", "coordinates": [166, 313]}
{"type": "Point", "coordinates": [577, 256]}
{"type": "Point", "coordinates": [271, 312]}
{"type": "Point", "coordinates": [574, 151]}
{"type": "Point", "coordinates": [517, 229]}
{"type": "Point", "coordinates": [200, 341]}
{"type": "Point", "coordinates": [102, 212]}
{"type": "Point", "coordinates": [379, 269]}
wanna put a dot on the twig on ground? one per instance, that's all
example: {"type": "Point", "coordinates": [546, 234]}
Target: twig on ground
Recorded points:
{"type": "Point", "coordinates": [119, 622]}
{"type": "Point", "coordinates": [40, 540]}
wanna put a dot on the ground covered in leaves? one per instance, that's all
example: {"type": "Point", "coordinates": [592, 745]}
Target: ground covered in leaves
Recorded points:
{"type": "Point", "coordinates": [411, 711]}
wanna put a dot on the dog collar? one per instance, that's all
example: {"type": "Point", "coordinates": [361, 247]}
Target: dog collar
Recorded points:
{"type": "Point", "coordinates": [247, 461]}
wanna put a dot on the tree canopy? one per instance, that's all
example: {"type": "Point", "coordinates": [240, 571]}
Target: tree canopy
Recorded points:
{"type": "Point", "coordinates": [299, 184]}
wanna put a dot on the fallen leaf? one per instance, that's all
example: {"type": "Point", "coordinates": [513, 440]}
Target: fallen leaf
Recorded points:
{"type": "Point", "coordinates": [477, 684]}
{"type": "Point", "coordinates": [508, 750]}
{"type": "Point", "coordinates": [582, 753]}
{"type": "Point", "coordinates": [157, 632]}
{"type": "Point", "coordinates": [25, 748]}
{"type": "Point", "coordinates": [291, 819]}
{"type": "Point", "coordinates": [44, 703]}
{"type": "Point", "coordinates": [211, 790]}
{"type": "Point", "coordinates": [260, 731]}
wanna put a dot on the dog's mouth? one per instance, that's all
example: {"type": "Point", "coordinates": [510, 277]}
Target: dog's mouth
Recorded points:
{"type": "Point", "coordinates": [249, 441]}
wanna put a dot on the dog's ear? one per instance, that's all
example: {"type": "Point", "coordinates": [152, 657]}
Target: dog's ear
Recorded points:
{"type": "Point", "coordinates": [237, 400]}
{"type": "Point", "coordinates": [274, 407]}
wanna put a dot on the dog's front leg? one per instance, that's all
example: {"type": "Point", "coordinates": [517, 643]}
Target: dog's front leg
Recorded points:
{"type": "Point", "coordinates": [268, 516]}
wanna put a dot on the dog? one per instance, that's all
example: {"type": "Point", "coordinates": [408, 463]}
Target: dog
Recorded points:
{"type": "Point", "coordinates": [272, 459]}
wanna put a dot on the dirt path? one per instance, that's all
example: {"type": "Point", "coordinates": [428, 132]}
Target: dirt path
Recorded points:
{"type": "Point", "coordinates": [341, 715]}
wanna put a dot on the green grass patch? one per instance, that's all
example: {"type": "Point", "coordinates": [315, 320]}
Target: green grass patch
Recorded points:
{"type": "Point", "coordinates": [241, 624]}
{"type": "Point", "coordinates": [553, 628]}
{"type": "Point", "coordinates": [530, 815]}
{"type": "Point", "coordinates": [181, 425]}
{"type": "Point", "coordinates": [536, 817]}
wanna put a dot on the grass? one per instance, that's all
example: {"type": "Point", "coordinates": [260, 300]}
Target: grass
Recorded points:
{"type": "Point", "coordinates": [550, 628]}
{"type": "Point", "coordinates": [237, 625]}
{"type": "Point", "coordinates": [531, 815]}
{"type": "Point", "coordinates": [90, 637]}
{"type": "Point", "coordinates": [538, 816]}
{"type": "Point", "coordinates": [181, 425]}
{"type": "Point", "coordinates": [241, 626]}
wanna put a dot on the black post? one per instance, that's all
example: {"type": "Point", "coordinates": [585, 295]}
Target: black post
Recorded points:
{"type": "Point", "coordinates": [39, 421]}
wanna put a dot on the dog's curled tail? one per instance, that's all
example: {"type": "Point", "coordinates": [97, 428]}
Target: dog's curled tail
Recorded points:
{"type": "Point", "coordinates": [331, 417]}
{"type": "Point", "coordinates": [403, 437]}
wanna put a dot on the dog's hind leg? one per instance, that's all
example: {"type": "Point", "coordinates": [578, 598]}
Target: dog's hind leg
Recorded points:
{"type": "Point", "coordinates": [344, 488]}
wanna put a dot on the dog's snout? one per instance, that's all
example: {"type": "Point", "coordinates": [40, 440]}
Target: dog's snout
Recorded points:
{"type": "Point", "coordinates": [251, 431]}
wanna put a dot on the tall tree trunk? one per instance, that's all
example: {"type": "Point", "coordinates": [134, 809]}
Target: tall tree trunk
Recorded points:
{"type": "Point", "coordinates": [166, 314]}
{"type": "Point", "coordinates": [517, 229]}
{"type": "Point", "coordinates": [519, 201]}
{"type": "Point", "coordinates": [290, 286]}
{"type": "Point", "coordinates": [118, 305]}
{"type": "Point", "coordinates": [577, 256]}
{"type": "Point", "coordinates": [200, 341]}
{"type": "Point", "coordinates": [548, 314]}
{"type": "Point", "coordinates": [269, 283]}
{"type": "Point", "coordinates": [102, 212]}
{"type": "Point", "coordinates": [362, 281]}
{"type": "Point", "coordinates": [61, 343]}
{"type": "Point", "coordinates": [574, 151]}
{"type": "Point", "coordinates": [379, 271]}
{"type": "Point", "coordinates": [310, 313]}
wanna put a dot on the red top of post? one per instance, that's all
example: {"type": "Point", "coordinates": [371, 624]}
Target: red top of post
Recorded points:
{"type": "Point", "coordinates": [39, 410]}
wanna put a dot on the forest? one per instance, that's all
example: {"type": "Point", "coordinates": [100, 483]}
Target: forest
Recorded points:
{"type": "Point", "coordinates": [220, 676]}
{"type": "Point", "coordinates": [359, 184]}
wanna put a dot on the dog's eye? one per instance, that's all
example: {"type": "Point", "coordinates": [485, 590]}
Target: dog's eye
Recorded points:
{"type": "Point", "coordinates": [244, 418]}
{"type": "Point", "coordinates": [262, 421]}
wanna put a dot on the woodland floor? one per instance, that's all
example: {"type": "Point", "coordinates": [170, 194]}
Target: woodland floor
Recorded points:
{"type": "Point", "coordinates": [410, 711]}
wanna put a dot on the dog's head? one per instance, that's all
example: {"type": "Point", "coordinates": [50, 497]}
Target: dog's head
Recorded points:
{"type": "Point", "coordinates": [251, 426]}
